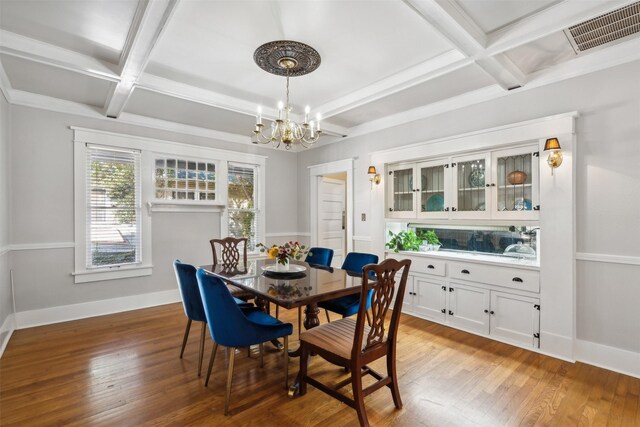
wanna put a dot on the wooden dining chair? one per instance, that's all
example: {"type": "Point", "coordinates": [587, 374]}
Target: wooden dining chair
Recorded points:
{"type": "Point", "coordinates": [231, 252]}
{"type": "Point", "coordinates": [352, 344]}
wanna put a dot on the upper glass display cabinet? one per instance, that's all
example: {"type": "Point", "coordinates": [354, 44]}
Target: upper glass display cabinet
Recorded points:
{"type": "Point", "coordinates": [501, 184]}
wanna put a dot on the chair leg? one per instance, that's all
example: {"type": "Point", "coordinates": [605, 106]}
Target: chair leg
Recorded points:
{"type": "Point", "coordinates": [358, 398]}
{"type": "Point", "coordinates": [201, 352]}
{"type": "Point", "coordinates": [261, 350]}
{"type": "Point", "coordinates": [299, 321]}
{"type": "Point", "coordinates": [391, 371]}
{"type": "Point", "coordinates": [277, 311]}
{"type": "Point", "coordinates": [304, 361]}
{"type": "Point", "coordinates": [232, 357]}
{"type": "Point", "coordinates": [186, 335]}
{"type": "Point", "coordinates": [327, 313]}
{"type": "Point", "coordinates": [211, 360]}
{"type": "Point", "coordinates": [285, 354]}
{"type": "Point", "coordinates": [368, 318]}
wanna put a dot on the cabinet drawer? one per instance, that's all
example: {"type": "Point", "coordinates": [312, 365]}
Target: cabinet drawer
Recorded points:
{"type": "Point", "coordinates": [525, 280]}
{"type": "Point", "coordinates": [428, 266]}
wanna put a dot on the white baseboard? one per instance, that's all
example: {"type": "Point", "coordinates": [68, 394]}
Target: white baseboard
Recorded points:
{"type": "Point", "coordinates": [611, 358]}
{"type": "Point", "coordinates": [8, 326]}
{"type": "Point", "coordinates": [65, 313]}
{"type": "Point", "coordinates": [555, 345]}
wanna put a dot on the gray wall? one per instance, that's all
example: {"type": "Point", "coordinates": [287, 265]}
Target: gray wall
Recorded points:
{"type": "Point", "coordinates": [607, 193]}
{"type": "Point", "coordinates": [42, 210]}
{"type": "Point", "coordinates": [6, 296]}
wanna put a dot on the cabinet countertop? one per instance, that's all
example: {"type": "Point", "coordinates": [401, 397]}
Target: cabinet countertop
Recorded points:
{"type": "Point", "coordinates": [473, 257]}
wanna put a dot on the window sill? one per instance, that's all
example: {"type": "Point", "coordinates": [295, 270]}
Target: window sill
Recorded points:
{"type": "Point", "coordinates": [185, 206]}
{"type": "Point", "coordinates": [102, 274]}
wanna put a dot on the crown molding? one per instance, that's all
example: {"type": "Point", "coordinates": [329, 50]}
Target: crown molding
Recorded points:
{"type": "Point", "coordinates": [5, 84]}
{"type": "Point", "coordinates": [13, 44]}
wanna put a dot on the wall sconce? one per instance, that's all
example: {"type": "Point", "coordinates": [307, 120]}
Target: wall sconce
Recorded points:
{"type": "Point", "coordinates": [373, 176]}
{"type": "Point", "coordinates": [555, 157]}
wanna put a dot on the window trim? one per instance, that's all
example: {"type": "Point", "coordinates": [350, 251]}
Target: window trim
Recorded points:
{"type": "Point", "coordinates": [150, 148]}
{"type": "Point", "coordinates": [259, 202]}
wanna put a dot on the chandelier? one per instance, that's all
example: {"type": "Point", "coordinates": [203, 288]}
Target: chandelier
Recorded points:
{"type": "Point", "coordinates": [290, 59]}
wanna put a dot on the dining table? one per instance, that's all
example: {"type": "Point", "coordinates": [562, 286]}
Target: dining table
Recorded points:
{"type": "Point", "coordinates": [303, 285]}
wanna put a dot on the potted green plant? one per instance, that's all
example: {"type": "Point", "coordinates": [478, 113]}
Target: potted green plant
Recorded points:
{"type": "Point", "coordinates": [404, 241]}
{"type": "Point", "coordinates": [433, 243]}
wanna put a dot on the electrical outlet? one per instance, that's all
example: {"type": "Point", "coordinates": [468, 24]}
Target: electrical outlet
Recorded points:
{"type": "Point", "coordinates": [363, 217]}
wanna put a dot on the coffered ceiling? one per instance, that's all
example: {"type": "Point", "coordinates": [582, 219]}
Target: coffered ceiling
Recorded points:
{"type": "Point", "coordinates": [187, 65]}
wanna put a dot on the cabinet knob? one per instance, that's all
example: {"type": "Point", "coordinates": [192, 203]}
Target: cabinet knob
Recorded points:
{"type": "Point", "coordinates": [453, 209]}
{"type": "Point", "coordinates": [430, 266]}
{"type": "Point", "coordinates": [492, 312]}
{"type": "Point", "coordinates": [465, 271]}
{"type": "Point", "coordinates": [517, 279]}
{"type": "Point", "coordinates": [487, 185]}
{"type": "Point", "coordinates": [446, 209]}
{"type": "Point", "coordinates": [450, 313]}
{"type": "Point", "coordinates": [443, 311]}
{"type": "Point", "coordinates": [486, 311]}
{"type": "Point", "coordinates": [450, 289]}
{"type": "Point", "coordinates": [444, 288]}
{"type": "Point", "coordinates": [492, 184]}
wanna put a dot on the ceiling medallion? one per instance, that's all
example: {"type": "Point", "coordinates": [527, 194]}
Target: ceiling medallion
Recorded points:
{"type": "Point", "coordinates": [290, 59]}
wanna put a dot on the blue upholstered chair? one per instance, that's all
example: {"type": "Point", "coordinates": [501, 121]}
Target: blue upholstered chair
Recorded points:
{"type": "Point", "coordinates": [320, 256]}
{"type": "Point", "coordinates": [348, 305]}
{"type": "Point", "coordinates": [232, 327]}
{"type": "Point", "coordinates": [192, 303]}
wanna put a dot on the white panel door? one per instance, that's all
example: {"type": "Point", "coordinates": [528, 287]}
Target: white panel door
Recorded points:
{"type": "Point", "coordinates": [514, 318]}
{"type": "Point", "coordinates": [429, 298]}
{"type": "Point", "coordinates": [468, 307]}
{"type": "Point", "coordinates": [331, 217]}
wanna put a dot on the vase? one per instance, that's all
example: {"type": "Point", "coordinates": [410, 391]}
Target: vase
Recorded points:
{"type": "Point", "coordinates": [280, 266]}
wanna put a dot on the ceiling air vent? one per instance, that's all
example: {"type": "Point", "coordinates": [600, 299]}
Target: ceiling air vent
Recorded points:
{"type": "Point", "coordinates": [606, 28]}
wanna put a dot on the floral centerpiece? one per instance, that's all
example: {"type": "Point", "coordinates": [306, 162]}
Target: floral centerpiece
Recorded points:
{"type": "Point", "coordinates": [284, 253]}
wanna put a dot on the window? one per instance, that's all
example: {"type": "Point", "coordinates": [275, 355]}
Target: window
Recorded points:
{"type": "Point", "coordinates": [113, 207]}
{"type": "Point", "coordinates": [242, 203]}
{"type": "Point", "coordinates": [179, 179]}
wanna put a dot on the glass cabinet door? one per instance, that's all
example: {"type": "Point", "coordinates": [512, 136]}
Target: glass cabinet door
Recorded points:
{"type": "Point", "coordinates": [401, 203]}
{"type": "Point", "coordinates": [433, 190]}
{"type": "Point", "coordinates": [516, 178]}
{"type": "Point", "coordinates": [471, 186]}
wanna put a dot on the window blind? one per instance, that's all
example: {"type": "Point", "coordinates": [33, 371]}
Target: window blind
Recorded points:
{"type": "Point", "coordinates": [113, 207]}
{"type": "Point", "coordinates": [241, 204]}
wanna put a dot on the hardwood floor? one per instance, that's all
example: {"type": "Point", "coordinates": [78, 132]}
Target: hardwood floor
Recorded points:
{"type": "Point", "coordinates": [124, 370]}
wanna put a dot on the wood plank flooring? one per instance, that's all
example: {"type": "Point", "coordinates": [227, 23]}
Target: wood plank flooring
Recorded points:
{"type": "Point", "coordinates": [124, 370]}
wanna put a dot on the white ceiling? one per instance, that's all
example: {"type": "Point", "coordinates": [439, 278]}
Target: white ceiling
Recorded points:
{"type": "Point", "coordinates": [187, 64]}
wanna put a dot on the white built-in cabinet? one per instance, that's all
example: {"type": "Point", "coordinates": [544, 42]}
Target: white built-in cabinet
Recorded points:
{"type": "Point", "coordinates": [492, 300]}
{"type": "Point", "coordinates": [499, 184]}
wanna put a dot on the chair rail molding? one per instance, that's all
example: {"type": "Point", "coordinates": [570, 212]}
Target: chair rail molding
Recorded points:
{"type": "Point", "coordinates": [607, 258]}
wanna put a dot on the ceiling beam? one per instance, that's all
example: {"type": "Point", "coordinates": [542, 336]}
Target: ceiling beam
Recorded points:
{"type": "Point", "coordinates": [548, 21]}
{"type": "Point", "coordinates": [456, 26]}
{"type": "Point", "coordinates": [430, 69]}
{"type": "Point", "coordinates": [213, 99]}
{"type": "Point", "coordinates": [149, 22]}
{"type": "Point", "coordinates": [13, 44]}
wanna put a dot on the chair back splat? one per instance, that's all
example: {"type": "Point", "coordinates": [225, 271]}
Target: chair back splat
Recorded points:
{"type": "Point", "coordinates": [229, 251]}
{"type": "Point", "coordinates": [389, 279]}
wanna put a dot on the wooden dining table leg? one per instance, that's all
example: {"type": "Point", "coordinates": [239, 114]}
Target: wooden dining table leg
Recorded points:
{"type": "Point", "coordinates": [311, 320]}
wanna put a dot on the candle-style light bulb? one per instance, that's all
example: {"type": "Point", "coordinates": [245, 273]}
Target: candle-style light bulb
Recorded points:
{"type": "Point", "coordinates": [259, 119]}
{"type": "Point", "coordinates": [306, 114]}
{"type": "Point", "coordinates": [280, 106]}
{"type": "Point", "coordinates": [311, 129]}
{"type": "Point", "coordinates": [318, 119]}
